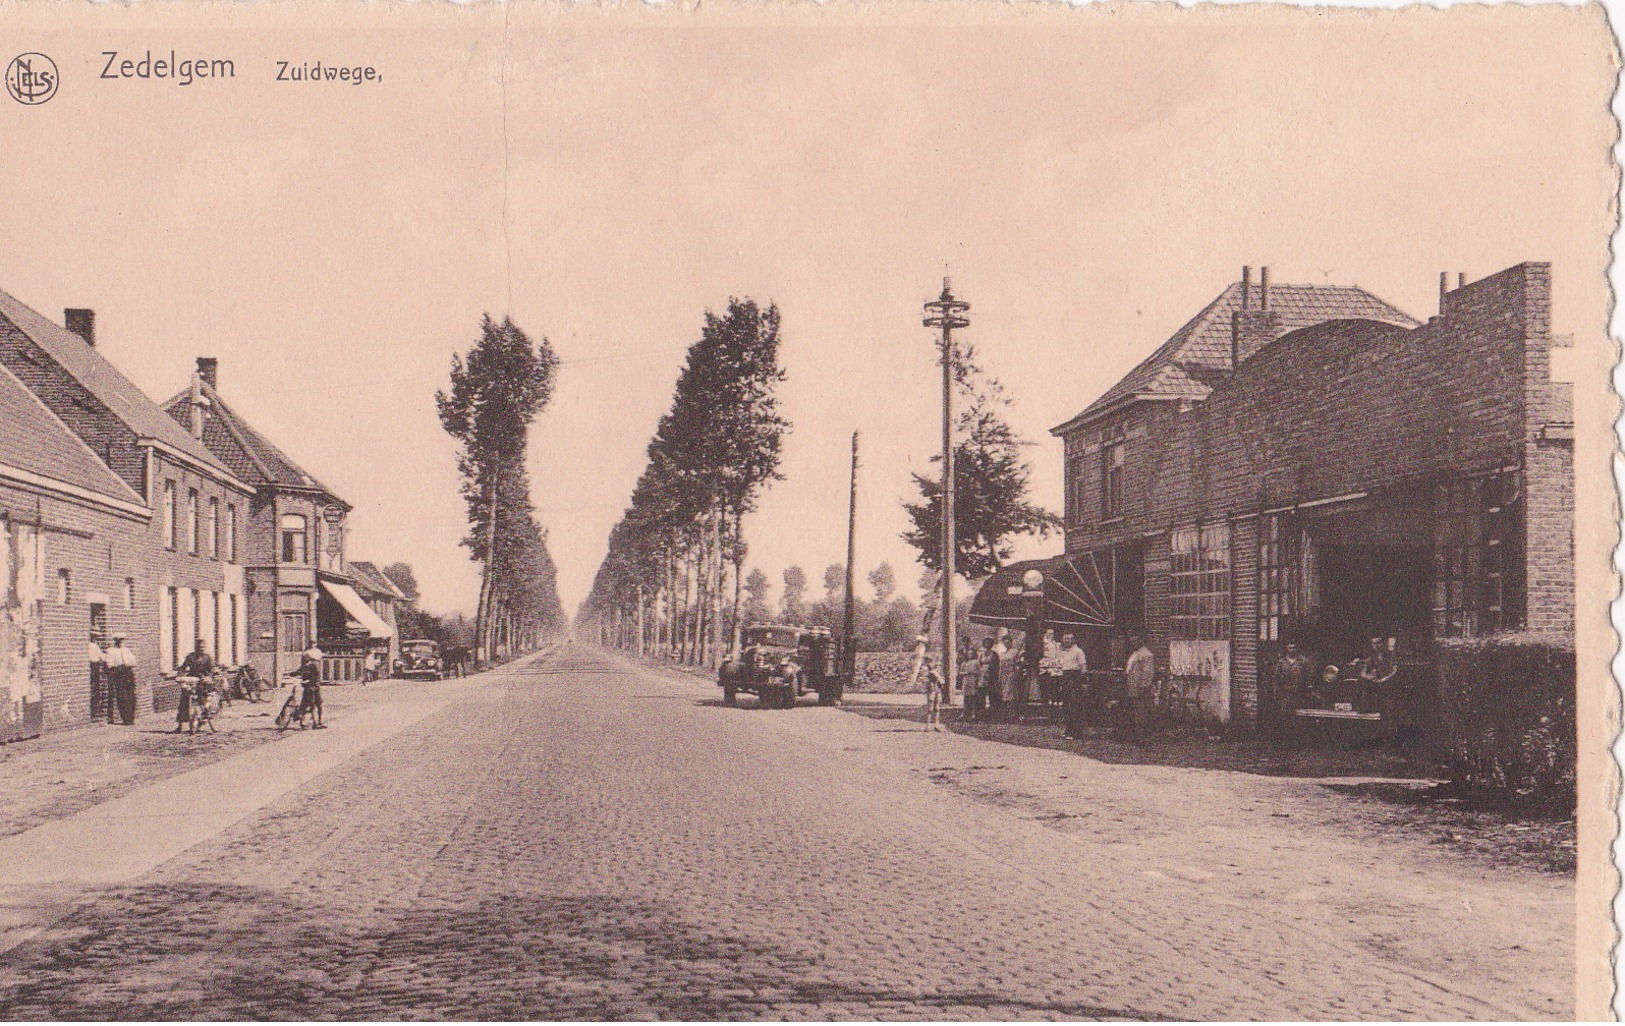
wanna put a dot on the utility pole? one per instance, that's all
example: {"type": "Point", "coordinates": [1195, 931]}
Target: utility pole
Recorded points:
{"type": "Point", "coordinates": [849, 643]}
{"type": "Point", "coordinates": [947, 313]}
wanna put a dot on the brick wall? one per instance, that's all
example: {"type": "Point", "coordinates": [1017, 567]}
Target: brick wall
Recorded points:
{"type": "Point", "coordinates": [1244, 618]}
{"type": "Point", "coordinates": [1549, 536]}
{"type": "Point", "coordinates": [102, 551]}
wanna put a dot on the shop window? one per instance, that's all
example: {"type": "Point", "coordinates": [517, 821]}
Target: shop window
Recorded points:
{"type": "Point", "coordinates": [236, 655]}
{"type": "Point", "coordinates": [293, 538]}
{"type": "Point", "coordinates": [1477, 580]}
{"type": "Point", "coordinates": [169, 514]}
{"type": "Point", "coordinates": [1199, 583]}
{"type": "Point", "coordinates": [197, 618]}
{"type": "Point", "coordinates": [191, 521]}
{"type": "Point", "coordinates": [1277, 560]}
{"type": "Point", "coordinates": [1112, 455]}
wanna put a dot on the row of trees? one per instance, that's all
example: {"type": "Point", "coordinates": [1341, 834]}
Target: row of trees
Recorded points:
{"type": "Point", "coordinates": [496, 391]}
{"type": "Point", "coordinates": [453, 630]}
{"type": "Point", "coordinates": [678, 548]}
{"type": "Point", "coordinates": [671, 575]}
{"type": "Point", "coordinates": [887, 623]}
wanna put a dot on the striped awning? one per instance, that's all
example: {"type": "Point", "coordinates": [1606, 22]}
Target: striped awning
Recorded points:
{"type": "Point", "coordinates": [1078, 592]}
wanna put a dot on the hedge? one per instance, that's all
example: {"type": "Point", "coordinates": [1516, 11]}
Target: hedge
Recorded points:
{"type": "Point", "coordinates": [884, 673]}
{"type": "Point", "coordinates": [1507, 705]}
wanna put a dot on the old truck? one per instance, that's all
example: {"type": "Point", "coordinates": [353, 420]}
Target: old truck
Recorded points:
{"type": "Point", "coordinates": [779, 663]}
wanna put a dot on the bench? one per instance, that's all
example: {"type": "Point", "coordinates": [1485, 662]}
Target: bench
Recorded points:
{"type": "Point", "coordinates": [1340, 728]}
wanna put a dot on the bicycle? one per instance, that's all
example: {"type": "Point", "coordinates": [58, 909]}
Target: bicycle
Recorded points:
{"type": "Point", "coordinates": [297, 709]}
{"type": "Point", "coordinates": [202, 704]}
{"type": "Point", "coordinates": [246, 683]}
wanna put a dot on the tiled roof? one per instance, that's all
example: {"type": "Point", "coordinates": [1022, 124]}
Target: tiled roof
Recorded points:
{"type": "Point", "coordinates": [249, 454]}
{"type": "Point", "coordinates": [1198, 354]}
{"type": "Point", "coordinates": [368, 576]}
{"type": "Point", "coordinates": [32, 439]}
{"type": "Point", "coordinates": [104, 381]}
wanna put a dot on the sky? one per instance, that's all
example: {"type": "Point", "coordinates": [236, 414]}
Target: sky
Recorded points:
{"type": "Point", "coordinates": [1090, 180]}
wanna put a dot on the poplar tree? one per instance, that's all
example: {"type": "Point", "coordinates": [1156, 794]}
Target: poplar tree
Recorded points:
{"type": "Point", "coordinates": [495, 393]}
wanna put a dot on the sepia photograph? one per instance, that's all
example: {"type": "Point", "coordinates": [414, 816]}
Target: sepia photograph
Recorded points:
{"type": "Point", "coordinates": [989, 512]}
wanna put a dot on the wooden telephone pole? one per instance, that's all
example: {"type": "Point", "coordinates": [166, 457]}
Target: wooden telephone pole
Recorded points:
{"type": "Point", "coordinates": [849, 647]}
{"type": "Point", "coordinates": [947, 313]}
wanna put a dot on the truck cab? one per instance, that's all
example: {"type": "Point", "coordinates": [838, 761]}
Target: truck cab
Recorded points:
{"type": "Point", "coordinates": [779, 663]}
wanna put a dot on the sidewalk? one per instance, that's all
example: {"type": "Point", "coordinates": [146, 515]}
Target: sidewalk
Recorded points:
{"type": "Point", "coordinates": [60, 774]}
{"type": "Point", "coordinates": [107, 805]}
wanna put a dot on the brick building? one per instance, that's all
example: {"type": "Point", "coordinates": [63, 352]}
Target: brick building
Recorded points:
{"type": "Point", "coordinates": [294, 536]}
{"type": "Point", "coordinates": [187, 583]}
{"type": "Point", "coordinates": [72, 563]}
{"type": "Point", "coordinates": [1309, 462]}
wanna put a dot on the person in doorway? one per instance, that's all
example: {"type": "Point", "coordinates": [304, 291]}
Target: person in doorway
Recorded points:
{"type": "Point", "coordinates": [1377, 685]}
{"type": "Point", "coordinates": [310, 679]}
{"type": "Point", "coordinates": [100, 701]}
{"type": "Point", "coordinates": [1069, 665]}
{"type": "Point", "coordinates": [374, 661]}
{"type": "Point", "coordinates": [1294, 686]}
{"type": "Point", "coordinates": [1140, 683]}
{"type": "Point", "coordinates": [121, 681]}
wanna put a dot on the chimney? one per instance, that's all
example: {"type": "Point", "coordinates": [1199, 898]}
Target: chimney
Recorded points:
{"type": "Point", "coordinates": [1263, 289]}
{"type": "Point", "coordinates": [81, 323]}
{"type": "Point", "coordinates": [208, 368]}
{"type": "Point", "coordinates": [1461, 278]}
{"type": "Point", "coordinates": [195, 407]}
{"type": "Point", "coordinates": [1246, 287]}
{"type": "Point", "coordinates": [1444, 290]}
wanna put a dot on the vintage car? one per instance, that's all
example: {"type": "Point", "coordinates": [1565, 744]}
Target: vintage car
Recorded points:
{"type": "Point", "coordinates": [420, 659]}
{"type": "Point", "coordinates": [779, 663]}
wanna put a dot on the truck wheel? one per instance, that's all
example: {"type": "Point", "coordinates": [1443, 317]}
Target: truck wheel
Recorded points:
{"type": "Point", "coordinates": [829, 694]}
{"type": "Point", "coordinates": [788, 701]}
{"type": "Point", "coordinates": [730, 696]}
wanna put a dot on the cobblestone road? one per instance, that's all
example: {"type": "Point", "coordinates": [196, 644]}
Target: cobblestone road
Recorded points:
{"type": "Point", "coordinates": [581, 839]}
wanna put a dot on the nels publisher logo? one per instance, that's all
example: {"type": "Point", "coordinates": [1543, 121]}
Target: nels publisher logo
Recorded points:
{"type": "Point", "coordinates": [31, 78]}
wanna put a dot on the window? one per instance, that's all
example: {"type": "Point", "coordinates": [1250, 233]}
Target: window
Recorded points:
{"type": "Point", "coordinates": [197, 619]}
{"type": "Point", "coordinates": [1076, 489]}
{"type": "Point", "coordinates": [293, 538]}
{"type": "Point", "coordinates": [1199, 583]}
{"type": "Point", "coordinates": [191, 521]}
{"type": "Point", "coordinates": [236, 655]}
{"type": "Point", "coordinates": [1477, 584]}
{"type": "Point", "coordinates": [129, 593]}
{"type": "Point", "coordinates": [1277, 567]}
{"type": "Point", "coordinates": [231, 532]}
{"type": "Point", "coordinates": [211, 528]}
{"type": "Point", "coordinates": [1111, 474]}
{"type": "Point", "coordinates": [215, 624]}
{"type": "Point", "coordinates": [64, 587]}
{"type": "Point", "coordinates": [169, 514]}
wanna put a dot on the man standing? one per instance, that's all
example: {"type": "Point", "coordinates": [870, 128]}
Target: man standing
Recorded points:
{"type": "Point", "coordinates": [121, 681]}
{"type": "Point", "coordinates": [1294, 674]}
{"type": "Point", "coordinates": [1069, 665]}
{"type": "Point", "coordinates": [310, 677]}
{"type": "Point", "coordinates": [1049, 672]}
{"type": "Point", "coordinates": [1140, 680]}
